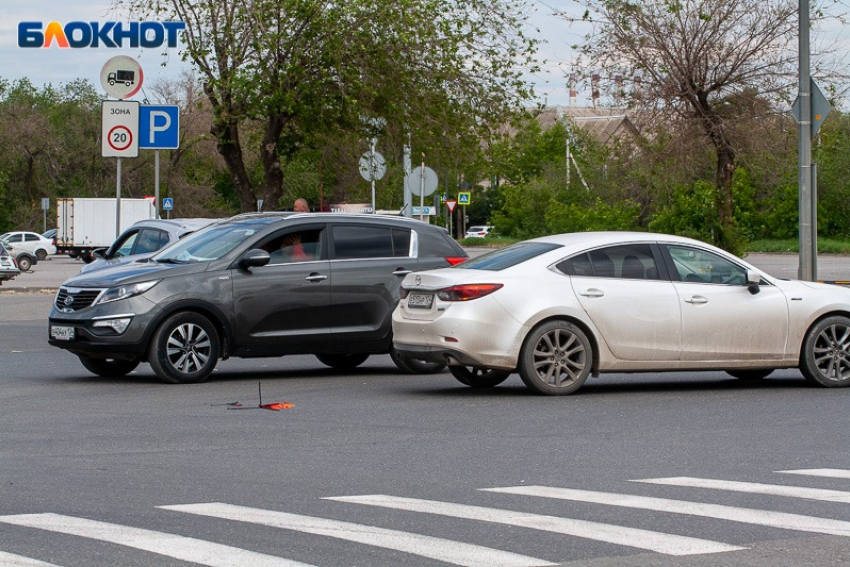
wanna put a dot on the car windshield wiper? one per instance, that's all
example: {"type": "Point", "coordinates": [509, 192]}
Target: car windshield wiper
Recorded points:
{"type": "Point", "coordinates": [171, 261]}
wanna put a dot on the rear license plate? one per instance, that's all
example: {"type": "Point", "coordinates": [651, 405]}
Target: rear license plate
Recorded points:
{"type": "Point", "coordinates": [62, 333]}
{"type": "Point", "coordinates": [420, 300]}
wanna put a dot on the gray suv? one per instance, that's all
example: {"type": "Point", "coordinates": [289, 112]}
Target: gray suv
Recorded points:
{"type": "Point", "coordinates": [255, 285]}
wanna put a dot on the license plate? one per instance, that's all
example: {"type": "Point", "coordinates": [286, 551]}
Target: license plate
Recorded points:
{"type": "Point", "coordinates": [420, 300]}
{"type": "Point", "coordinates": [62, 333]}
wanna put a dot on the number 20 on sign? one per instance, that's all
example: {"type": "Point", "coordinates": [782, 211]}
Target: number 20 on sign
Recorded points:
{"type": "Point", "coordinates": [120, 128]}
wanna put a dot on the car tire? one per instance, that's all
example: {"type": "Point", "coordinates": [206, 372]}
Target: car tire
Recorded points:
{"type": "Point", "coordinates": [24, 263]}
{"type": "Point", "coordinates": [556, 358]}
{"type": "Point", "coordinates": [342, 361]}
{"type": "Point", "coordinates": [184, 349]}
{"type": "Point", "coordinates": [108, 367]}
{"type": "Point", "coordinates": [825, 359]}
{"type": "Point", "coordinates": [414, 365]}
{"type": "Point", "coordinates": [41, 254]}
{"type": "Point", "coordinates": [750, 375]}
{"type": "Point", "coordinates": [478, 377]}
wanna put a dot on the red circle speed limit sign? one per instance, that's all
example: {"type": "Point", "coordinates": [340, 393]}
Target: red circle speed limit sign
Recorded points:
{"type": "Point", "coordinates": [120, 138]}
{"type": "Point", "coordinates": [120, 128]}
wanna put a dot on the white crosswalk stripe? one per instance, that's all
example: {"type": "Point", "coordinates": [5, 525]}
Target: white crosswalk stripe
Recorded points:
{"type": "Point", "coordinates": [829, 473]}
{"type": "Point", "coordinates": [12, 560]}
{"type": "Point", "coordinates": [780, 520]}
{"type": "Point", "coordinates": [440, 549]}
{"type": "Point", "coordinates": [178, 547]}
{"type": "Point", "coordinates": [753, 488]}
{"type": "Point", "coordinates": [631, 537]}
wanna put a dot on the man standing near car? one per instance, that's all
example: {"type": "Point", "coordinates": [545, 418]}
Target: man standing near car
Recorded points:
{"type": "Point", "coordinates": [301, 206]}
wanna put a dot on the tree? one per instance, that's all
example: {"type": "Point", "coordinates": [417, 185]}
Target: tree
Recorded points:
{"type": "Point", "coordinates": [701, 63]}
{"type": "Point", "coordinates": [300, 68]}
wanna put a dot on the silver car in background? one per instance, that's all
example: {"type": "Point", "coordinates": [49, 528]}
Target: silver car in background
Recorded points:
{"type": "Point", "coordinates": [142, 239]}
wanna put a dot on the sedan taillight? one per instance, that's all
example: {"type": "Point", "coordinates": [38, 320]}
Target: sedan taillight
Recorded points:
{"type": "Point", "coordinates": [467, 292]}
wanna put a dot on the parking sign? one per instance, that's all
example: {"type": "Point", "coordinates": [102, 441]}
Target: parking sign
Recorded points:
{"type": "Point", "coordinates": [159, 127]}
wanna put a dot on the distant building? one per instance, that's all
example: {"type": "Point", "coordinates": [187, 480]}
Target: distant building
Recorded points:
{"type": "Point", "coordinates": [607, 125]}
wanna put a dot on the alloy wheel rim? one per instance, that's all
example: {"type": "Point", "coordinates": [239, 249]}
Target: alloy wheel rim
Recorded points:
{"type": "Point", "coordinates": [559, 358]}
{"type": "Point", "coordinates": [832, 353]}
{"type": "Point", "coordinates": [188, 348]}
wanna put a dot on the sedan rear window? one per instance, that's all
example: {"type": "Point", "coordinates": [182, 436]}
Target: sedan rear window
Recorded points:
{"type": "Point", "coordinates": [508, 257]}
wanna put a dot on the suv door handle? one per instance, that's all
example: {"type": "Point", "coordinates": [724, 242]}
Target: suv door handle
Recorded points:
{"type": "Point", "coordinates": [314, 277]}
{"type": "Point", "coordinates": [402, 272]}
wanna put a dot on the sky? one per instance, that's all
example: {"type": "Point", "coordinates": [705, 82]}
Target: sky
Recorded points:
{"type": "Point", "coordinates": [57, 66]}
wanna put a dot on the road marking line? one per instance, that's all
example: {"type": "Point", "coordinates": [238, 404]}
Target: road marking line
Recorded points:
{"type": "Point", "coordinates": [631, 537]}
{"type": "Point", "coordinates": [744, 515]}
{"type": "Point", "coordinates": [445, 550]}
{"type": "Point", "coordinates": [830, 473]}
{"type": "Point", "coordinates": [754, 488]}
{"type": "Point", "coordinates": [180, 547]}
{"type": "Point", "coordinates": [12, 560]}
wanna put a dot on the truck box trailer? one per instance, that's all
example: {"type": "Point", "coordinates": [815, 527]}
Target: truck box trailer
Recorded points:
{"type": "Point", "coordinates": [84, 225]}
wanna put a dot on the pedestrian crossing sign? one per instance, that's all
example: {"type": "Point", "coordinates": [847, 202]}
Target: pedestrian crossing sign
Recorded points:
{"type": "Point", "coordinates": [464, 198]}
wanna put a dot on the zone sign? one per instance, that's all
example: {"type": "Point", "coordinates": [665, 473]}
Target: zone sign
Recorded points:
{"type": "Point", "coordinates": [120, 128]}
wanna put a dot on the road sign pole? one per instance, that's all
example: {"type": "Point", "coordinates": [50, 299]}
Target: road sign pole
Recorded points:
{"type": "Point", "coordinates": [422, 191]}
{"type": "Point", "coordinates": [118, 201]}
{"type": "Point", "coordinates": [156, 180]}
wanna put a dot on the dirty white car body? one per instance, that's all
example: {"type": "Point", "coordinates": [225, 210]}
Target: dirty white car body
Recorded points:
{"type": "Point", "coordinates": [560, 308]}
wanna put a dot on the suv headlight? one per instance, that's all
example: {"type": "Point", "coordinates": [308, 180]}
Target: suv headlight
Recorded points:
{"type": "Point", "coordinates": [124, 291]}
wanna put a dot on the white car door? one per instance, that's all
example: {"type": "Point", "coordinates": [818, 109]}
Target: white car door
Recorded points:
{"type": "Point", "coordinates": [637, 314]}
{"type": "Point", "coordinates": [721, 319]}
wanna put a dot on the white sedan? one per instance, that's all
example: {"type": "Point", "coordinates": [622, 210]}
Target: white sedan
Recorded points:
{"type": "Point", "coordinates": [32, 242]}
{"type": "Point", "coordinates": [561, 308]}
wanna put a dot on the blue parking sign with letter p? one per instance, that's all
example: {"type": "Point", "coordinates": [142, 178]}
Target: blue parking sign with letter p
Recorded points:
{"type": "Point", "coordinates": [159, 127]}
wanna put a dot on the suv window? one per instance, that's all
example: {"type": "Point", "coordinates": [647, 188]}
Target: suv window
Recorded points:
{"type": "Point", "coordinates": [351, 242]}
{"type": "Point", "coordinates": [303, 245]}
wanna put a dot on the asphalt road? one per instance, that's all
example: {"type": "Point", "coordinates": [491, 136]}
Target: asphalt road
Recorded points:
{"type": "Point", "coordinates": [376, 468]}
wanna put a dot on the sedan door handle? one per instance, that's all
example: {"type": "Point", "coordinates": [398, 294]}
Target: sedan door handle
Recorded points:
{"type": "Point", "coordinates": [402, 272]}
{"type": "Point", "coordinates": [593, 292]}
{"type": "Point", "coordinates": [316, 277]}
{"type": "Point", "coordinates": [697, 299]}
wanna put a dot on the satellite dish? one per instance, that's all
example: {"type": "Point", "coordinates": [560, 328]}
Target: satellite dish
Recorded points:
{"type": "Point", "coordinates": [414, 182]}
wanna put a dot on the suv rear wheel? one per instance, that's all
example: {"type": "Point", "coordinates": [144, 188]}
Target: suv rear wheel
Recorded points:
{"type": "Point", "coordinates": [342, 361]}
{"type": "Point", "coordinates": [415, 366]}
{"type": "Point", "coordinates": [184, 349]}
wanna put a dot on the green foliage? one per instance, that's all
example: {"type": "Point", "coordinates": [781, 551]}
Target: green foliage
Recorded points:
{"type": "Point", "coordinates": [581, 217]}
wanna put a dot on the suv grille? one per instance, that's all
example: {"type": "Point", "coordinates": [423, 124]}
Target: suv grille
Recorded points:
{"type": "Point", "coordinates": [70, 299]}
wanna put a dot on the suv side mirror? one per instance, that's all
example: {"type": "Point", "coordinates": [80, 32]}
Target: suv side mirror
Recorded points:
{"type": "Point", "coordinates": [99, 253]}
{"type": "Point", "coordinates": [254, 258]}
{"type": "Point", "coordinates": [753, 279]}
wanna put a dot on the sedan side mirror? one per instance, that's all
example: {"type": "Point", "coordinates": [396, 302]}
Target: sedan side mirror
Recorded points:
{"type": "Point", "coordinates": [254, 258]}
{"type": "Point", "coordinates": [753, 279]}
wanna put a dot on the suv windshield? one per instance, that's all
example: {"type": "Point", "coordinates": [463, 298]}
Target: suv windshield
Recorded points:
{"type": "Point", "coordinates": [507, 257]}
{"type": "Point", "coordinates": [208, 244]}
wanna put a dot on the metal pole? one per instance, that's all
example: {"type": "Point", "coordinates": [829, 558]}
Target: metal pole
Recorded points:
{"type": "Point", "coordinates": [118, 202]}
{"type": "Point", "coordinates": [422, 191]}
{"type": "Point", "coordinates": [156, 180]}
{"type": "Point", "coordinates": [372, 175]}
{"type": "Point", "coordinates": [806, 267]}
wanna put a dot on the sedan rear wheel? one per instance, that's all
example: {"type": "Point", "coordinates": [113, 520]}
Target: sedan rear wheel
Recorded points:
{"type": "Point", "coordinates": [24, 263]}
{"type": "Point", "coordinates": [555, 359]}
{"type": "Point", "coordinates": [478, 377]}
{"type": "Point", "coordinates": [108, 367]}
{"type": "Point", "coordinates": [342, 361]}
{"type": "Point", "coordinates": [41, 254]}
{"type": "Point", "coordinates": [825, 359]}
{"type": "Point", "coordinates": [184, 349]}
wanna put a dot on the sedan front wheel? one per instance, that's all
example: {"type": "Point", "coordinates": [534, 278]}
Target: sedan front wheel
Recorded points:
{"type": "Point", "coordinates": [555, 359]}
{"type": "Point", "coordinates": [825, 359]}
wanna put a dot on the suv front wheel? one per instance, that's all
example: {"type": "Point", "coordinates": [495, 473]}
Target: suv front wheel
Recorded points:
{"type": "Point", "coordinates": [184, 349]}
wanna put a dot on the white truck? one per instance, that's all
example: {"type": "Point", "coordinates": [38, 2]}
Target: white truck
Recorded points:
{"type": "Point", "coordinates": [84, 225]}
